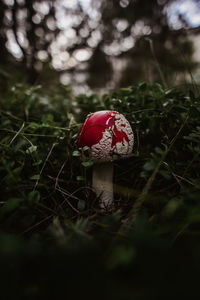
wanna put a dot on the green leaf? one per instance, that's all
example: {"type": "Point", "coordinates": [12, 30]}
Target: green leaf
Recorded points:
{"type": "Point", "coordinates": [142, 86]}
{"type": "Point", "coordinates": [87, 164]}
{"type": "Point", "coordinates": [10, 205]}
{"type": "Point", "coordinates": [159, 150]}
{"type": "Point", "coordinates": [47, 119]}
{"type": "Point", "coordinates": [81, 205]}
{"type": "Point", "coordinates": [33, 197]}
{"type": "Point", "coordinates": [85, 148]}
{"type": "Point", "coordinates": [37, 163]}
{"type": "Point", "coordinates": [76, 153]}
{"type": "Point", "coordinates": [31, 149]}
{"type": "Point", "coordinates": [79, 178]}
{"type": "Point", "coordinates": [149, 166]}
{"type": "Point", "coordinates": [34, 125]}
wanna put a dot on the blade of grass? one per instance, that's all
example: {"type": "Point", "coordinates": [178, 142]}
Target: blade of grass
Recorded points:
{"type": "Point", "coordinates": [48, 155]}
{"type": "Point", "coordinates": [157, 63]}
{"type": "Point", "coordinates": [18, 132]}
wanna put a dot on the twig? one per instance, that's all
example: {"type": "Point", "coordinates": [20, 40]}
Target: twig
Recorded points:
{"type": "Point", "coordinates": [52, 147]}
{"type": "Point", "coordinates": [35, 225]}
{"type": "Point", "coordinates": [57, 177]}
{"type": "Point", "coordinates": [68, 202]}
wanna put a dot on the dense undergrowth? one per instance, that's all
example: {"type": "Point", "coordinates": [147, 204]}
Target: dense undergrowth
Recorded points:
{"type": "Point", "coordinates": [55, 241]}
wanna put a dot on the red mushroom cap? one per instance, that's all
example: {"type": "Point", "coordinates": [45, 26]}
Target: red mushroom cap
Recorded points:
{"type": "Point", "coordinates": [108, 134]}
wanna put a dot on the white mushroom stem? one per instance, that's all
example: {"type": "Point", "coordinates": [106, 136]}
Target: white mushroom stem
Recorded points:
{"type": "Point", "coordinates": [102, 183]}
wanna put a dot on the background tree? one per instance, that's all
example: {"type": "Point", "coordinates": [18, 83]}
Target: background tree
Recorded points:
{"type": "Point", "coordinates": [26, 31]}
{"type": "Point", "coordinates": [137, 36]}
{"type": "Point", "coordinates": [106, 44]}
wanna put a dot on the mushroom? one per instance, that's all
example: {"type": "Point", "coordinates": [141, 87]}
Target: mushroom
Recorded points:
{"type": "Point", "coordinates": [109, 137]}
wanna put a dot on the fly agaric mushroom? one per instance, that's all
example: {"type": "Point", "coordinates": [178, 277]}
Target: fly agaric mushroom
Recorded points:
{"type": "Point", "coordinates": [109, 136]}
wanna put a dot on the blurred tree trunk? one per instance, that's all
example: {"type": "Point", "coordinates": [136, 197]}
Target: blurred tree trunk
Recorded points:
{"type": "Point", "coordinates": [3, 51]}
{"type": "Point", "coordinates": [31, 58]}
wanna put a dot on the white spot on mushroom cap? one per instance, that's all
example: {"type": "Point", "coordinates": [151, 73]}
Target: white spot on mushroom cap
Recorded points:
{"type": "Point", "coordinates": [102, 150]}
{"type": "Point", "coordinates": [105, 151]}
{"type": "Point", "coordinates": [123, 125]}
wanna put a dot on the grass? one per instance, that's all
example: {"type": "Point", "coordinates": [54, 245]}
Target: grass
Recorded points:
{"type": "Point", "coordinates": [55, 241]}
